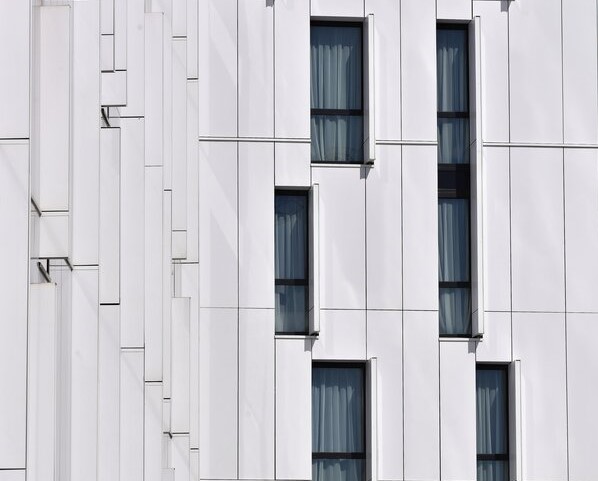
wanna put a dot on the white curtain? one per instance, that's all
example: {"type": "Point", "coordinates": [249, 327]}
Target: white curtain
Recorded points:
{"type": "Point", "coordinates": [336, 84]}
{"type": "Point", "coordinates": [338, 470]}
{"type": "Point", "coordinates": [455, 311]}
{"type": "Point", "coordinates": [453, 141]}
{"type": "Point", "coordinates": [290, 252]}
{"type": "Point", "coordinates": [451, 62]}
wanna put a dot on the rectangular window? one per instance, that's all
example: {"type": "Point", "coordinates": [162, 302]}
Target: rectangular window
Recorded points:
{"type": "Point", "coordinates": [453, 181]}
{"type": "Point", "coordinates": [291, 261]}
{"type": "Point", "coordinates": [336, 92]}
{"type": "Point", "coordinates": [492, 422]}
{"type": "Point", "coordinates": [338, 422]}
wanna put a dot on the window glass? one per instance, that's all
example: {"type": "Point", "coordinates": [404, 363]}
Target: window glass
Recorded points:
{"type": "Point", "coordinates": [452, 71]}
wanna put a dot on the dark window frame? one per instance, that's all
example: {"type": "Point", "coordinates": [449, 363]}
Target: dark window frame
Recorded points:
{"type": "Point", "coordinates": [346, 112]}
{"type": "Point", "coordinates": [296, 282]}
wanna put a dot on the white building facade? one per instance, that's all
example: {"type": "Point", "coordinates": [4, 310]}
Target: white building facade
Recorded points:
{"type": "Point", "coordinates": [339, 240]}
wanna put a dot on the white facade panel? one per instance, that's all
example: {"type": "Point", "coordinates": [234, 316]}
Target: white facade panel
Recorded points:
{"type": "Point", "coordinates": [109, 215]}
{"type": "Point", "coordinates": [384, 230]}
{"type": "Point", "coordinates": [292, 164]}
{"type": "Point", "coordinates": [107, 17]}
{"type": "Point", "coordinates": [256, 226]}
{"type": "Point", "coordinates": [14, 87]}
{"type": "Point", "coordinates": [293, 409]}
{"type": "Point", "coordinates": [385, 342]}
{"type": "Point", "coordinates": [543, 396]}
{"type": "Point", "coordinates": [458, 410]}
{"type": "Point", "coordinates": [109, 393]}
{"type": "Point", "coordinates": [84, 374]}
{"type": "Point", "coordinates": [114, 88]}
{"type": "Point", "coordinates": [342, 335]}
{"type": "Point", "coordinates": [420, 228]}
{"type": "Point", "coordinates": [131, 415]}
{"type": "Point", "coordinates": [291, 69]}
{"type": "Point", "coordinates": [180, 457]}
{"type": "Point", "coordinates": [218, 390]}
{"type": "Point", "coordinates": [153, 274]}
{"type": "Point", "coordinates": [536, 95]}
{"type": "Point", "coordinates": [180, 365]}
{"type": "Point", "coordinates": [106, 52]}
{"type": "Point", "coordinates": [580, 93]}
{"type": "Point", "coordinates": [179, 244]}
{"type": "Point", "coordinates": [135, 66]}
{"type": "Point", "coordinates": [218, 267]}
{"type": "Point", "coordinates": [54, 107]}
{"type": "Point", "coordinates": [256, 394]}
{"type": "Point", "coordinates": [192, 38]}
{"type": "Point", "coordinates": [192, 176]}
{"type": "Point", "coordinates": [218, 62]}
{"type": "Point", "coordinates": [256, 69]}
{"type": "Point", "coordinates": [42, 381]}
{"type": "Point", "coordinates": [582, 362]}
{"type": "Point", "coordinates": [581, 229]}
{"type": "Point", "coordinates": [179, 134]}
{"type": "Point", "coordinates": [167, 290]}
{"type": "Point", "coordinates": [453, 10]}
{"type": "Point", "coordinates": [54, 235]}
{"type": "Point", "coordinates": [154, 102]}
{"type": "Point", "coordinates": [495, 346]}
{"type": "Point", "coordinates": [179, 18]}
{"type": "Point", "coordinates": [152, 450]}
{"type": "Point", "coordinates": [497, 229]}
{"type": "Point", "coordinates": [12, 475]}
{"type": "Point", "coordinates": [342, 237]}
{"type": "Point", "coordinates": [120, 34]}
{"type": "Point", "coordinates": [337, 8]}
{"type": "Point", "coordinates": [132, 214]}
{"type": "Point", "coordinates": [537, 230]}
{"type": "Point", "coordinates": [421, 396]}
{"type": "Point", "coordinates": [418, 67]}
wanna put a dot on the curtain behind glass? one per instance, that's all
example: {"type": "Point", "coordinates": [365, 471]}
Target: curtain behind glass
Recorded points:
{"type": "Point", "coordinates": [338, 470]}
{"type": "Point", "coordinates": [451, 62]}
{"type": "Point", "coordinates": [453, 141]}
{"type": "Point", "coordinates": [336, 67]}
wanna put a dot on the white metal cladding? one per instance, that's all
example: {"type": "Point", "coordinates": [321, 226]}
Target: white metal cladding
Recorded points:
{"type": "Point", "coordinates": [141, 143]}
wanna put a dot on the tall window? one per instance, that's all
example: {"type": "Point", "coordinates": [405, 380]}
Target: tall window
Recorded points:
{"type": "Point", "coordinates": [291, 261]}
{"type": "Point", "coordinates": [338, 429]}
{"type": "Point", "coordinates": [492, 423]}
{"type": "Point", "coordinates": [336, 92]}
{"type": "Point", "coordinates": [453, 181]}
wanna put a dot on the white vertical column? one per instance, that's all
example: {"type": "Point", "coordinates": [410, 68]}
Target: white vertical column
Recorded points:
{"type": "Point", "coordinates": [153, 432]}
{"type": "Point", "coordinates": [179, 135]}
{"type": "Point", "coordinates": [131, 415]}
{"type": "Point", "coordinates": [180, 365]}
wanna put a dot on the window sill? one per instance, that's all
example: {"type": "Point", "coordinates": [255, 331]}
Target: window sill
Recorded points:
{"type": "Point", "coordinates": [317, 163]}
{"type": "Point", "coordinates": [457, 339]}
{"type": "Point", "coordinates": [295, 336]}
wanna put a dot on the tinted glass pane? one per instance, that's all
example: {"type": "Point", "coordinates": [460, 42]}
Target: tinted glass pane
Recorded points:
{"type": "Point", "coordinates": [453, 141]}
{"type": "Point", "coordinates": [455, 311]}
{"type": "Point", "coordinates": [337, 138]}
{"type": "Point", "coordinates": [290, 236]}
{"type": "Point", "coordinates": [493, 471]}
{"type": "Point", "coordinates": [338, 470]}
{"type": "Point", "coordinates": [335, 67]}
{"type": "Point", "coordinates": [337, 409]}
{"type": "Point", "coordinates": [451, 63]}
{"type": "Point", "coordinates": [291, 309]}
{"type": "Point", "coordinates": [453, 240]}
{"type": "Point", "coordinates": [492, 412]}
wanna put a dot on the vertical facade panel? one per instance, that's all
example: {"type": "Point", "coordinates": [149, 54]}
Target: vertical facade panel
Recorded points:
{"type": "Point", "coordinates": [543, 396]}
{"type": "Point", "coordinates": [453, 10]}
{"type": "Point", "coordinates": [84, 374]}
{"type": "Point", "coordinates": [342, 335]}
{"type": "Point", "coordinates": [421, 396]}
{"type": "Point", "coordinates": [495, 347]}
{"type": "Point", "coordinates": [154, 108]}
{"type": "Point", "coordinates": [14, 216]}
{"type": "Point", "coordinates": [12, 475]}
{"type": "Point", "coordinates": [536, 86]}
{"type": "Point", "coordinates": [179, 134]}
{"type": "Point", "coordinates": [192, 175]}
{"type": "Point", "coordinates": [85, 136]}
{"type": "Point", "coordinates": [120, 35]}
{"type": "Point", "coordinates": [256, 225]}
{"type": "Point", "coordinates": [153, 274]}
{"type": "Point", "coordinates": [180, 457]}
{"type": "Point", "coordinates": [218, 267]}
{"type": "Point", "coordinates": [218, 62]}
{"type": "Point", "coordinates": [420, 228]}
{"type": "Point", "coordinates": [218, 390]}
{"type": "Point", "coordinates": [14, 88]}
{"type": "Point", "coordinates": [107, 17]}
{"type": "Point", "coordinates": [385, 342]}
{"type": "Point", "coordinates": [342, 237]}
{"type": "Point", "coordinates": [132, 269]}
{"type": "Point", "coordinates": [167, 290]}
{"type": "Point", "coordinates": [384, 230]}
{"type": "Point", "coordinates": [418, 67]}
{"type": "Point", "coordinates": [292, 67]}
{"type": "Point", "coordinates": [180, 365]}
{"type": "Point", "coordinates": [179, 18]}
{"type": "Point", "coordinates": [458, 410]}
{"type": "Point", "coordinates": [135, 66]}
{"type": "Point", "coordinates": [256, 394]}
{"type": "Point", "coordinates": [537, 229]}
{"type": "Point", "coordinates": [192, 38]}
{"type": "Point", "coordinates": [581, 229]}
{"type": "Point", "coordinates": [108, 393]}
{"type": "Point", "coordinates": [152, 467]}
{"type": "Point", "coordinates": [582, 330]}
{"type": "Point", "coordinates": [292, 164]}
{"type": "Point", "coordinates": [256, 69]}
{"type": "Point", "coordinates": [131, 415]}
{"type": "Point", "coordinates": [337, 8]}
{"type": "Point", "coordinates": [293, 409]}
{"type": "Point", "coordinates": [54, 107]}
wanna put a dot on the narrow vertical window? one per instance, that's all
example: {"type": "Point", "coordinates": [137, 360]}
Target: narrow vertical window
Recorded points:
{"type": "Point", "coordinates": [492, 423]}
{"type": "Point", "coordinates": [453, 181]}
{"type": "Point", "coordinates": [291, 261]}
{"type": "Point", "coordinates": [338, 429]}
{"type": "Point", "coordinates": [336, 92]}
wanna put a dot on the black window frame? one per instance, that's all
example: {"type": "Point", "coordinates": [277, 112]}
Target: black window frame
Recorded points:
{"type": "Point", "coordinates": [454, 180]}
{"type": "Point", "coordinates": [296, 282]}
{"type": "Point", "coordinates": [498, 456]}
{"type": "Point", "coordinates": [347, 112]}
